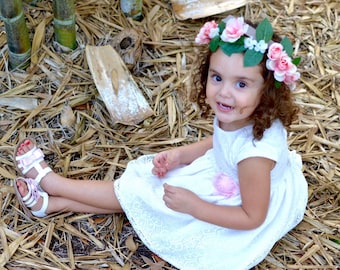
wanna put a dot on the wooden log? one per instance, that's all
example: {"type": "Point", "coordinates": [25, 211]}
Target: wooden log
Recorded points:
{"type": "Point", "coordinates": [194, 9]}
{"type": "Point", "coordinates": [116, 86]}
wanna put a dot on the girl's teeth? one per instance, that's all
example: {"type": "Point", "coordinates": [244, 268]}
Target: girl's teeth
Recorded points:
{"type": "Point", "coordinates": [225, 106]}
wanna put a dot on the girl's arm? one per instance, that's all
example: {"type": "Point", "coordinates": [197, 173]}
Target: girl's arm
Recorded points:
{"type": "Point", "coordinates": [254, 176]}
{"type": "Point", "coordinates": [188, 153]}
{"type": "Point", "coordinates": [167, 160]}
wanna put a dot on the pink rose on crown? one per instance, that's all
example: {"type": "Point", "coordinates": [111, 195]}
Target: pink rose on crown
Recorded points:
{"type": "Point", "coordinates": [234, 29]}
{"type": "Point", "coordinates": [284, 70]}
{"type": "Point", "coordinates": [284, 63]}
{"type": "Point", "coordinates": [291, 77]}
{"type": "Point", "coordinates": [274, 51]}
{"type": "Point", "coordinates": [207, 32]}
{"type": "Point", "coordinates": [280, 66]}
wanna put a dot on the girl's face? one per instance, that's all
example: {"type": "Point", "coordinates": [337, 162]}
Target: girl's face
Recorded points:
{"type": "Point", "coordinates": [233, 91]}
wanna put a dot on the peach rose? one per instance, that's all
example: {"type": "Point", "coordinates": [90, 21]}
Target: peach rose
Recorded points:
{"type": "Point", "coordinates": [284, 63]}
{"type": "Point", "coordinates": [281, 66]}
{"type": "Point", "coordinates": [274, 51]}
{"type": "Point", "coordinates": [208, 31]}
{"type": "Point", "coordinates": [290, 78]}
{"type": "Point", "coordinates": [234, 29]}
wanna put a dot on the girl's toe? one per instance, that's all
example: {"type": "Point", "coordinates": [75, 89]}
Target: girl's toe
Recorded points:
{"type": "Point", "coordinates": [26, 146]}
{"type": "Point", "coordinates": [22, 188]}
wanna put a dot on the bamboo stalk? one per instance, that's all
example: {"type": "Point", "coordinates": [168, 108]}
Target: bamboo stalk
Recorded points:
{"type": "Point", "coordinates": [132, 8]}
{"type": "Point", "coordinates": [31, 2]}
{"type": "Point", "coordinates": [64, 23]}
{"type": "Point", "coordinates": [19, 44]}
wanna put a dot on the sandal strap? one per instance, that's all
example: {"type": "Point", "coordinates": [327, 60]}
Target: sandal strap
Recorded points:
{"type": "Point", "coordinates": [32, 159]}
{"type": "Point", "coordinates": [42, 211]}
{"type": "Point", "coordinates": [41, 172]}
{"type": "Point", "coordinates": [27, 154]}
{"type": "Point", "coordinates": [27, 160]}
{"type": "Point", "coordinates": [31, 198]}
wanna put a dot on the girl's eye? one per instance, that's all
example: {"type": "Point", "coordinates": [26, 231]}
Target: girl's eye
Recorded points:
{"type": "Point", "coordinates": [216, 78]}
{"type": "Point", "coordinates": [241, 84]}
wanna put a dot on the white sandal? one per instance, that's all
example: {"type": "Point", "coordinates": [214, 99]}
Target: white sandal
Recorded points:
{"type": "Point", "coordinates": [31, 198]}
{"type": "Point", "coordinates": [30, 160]}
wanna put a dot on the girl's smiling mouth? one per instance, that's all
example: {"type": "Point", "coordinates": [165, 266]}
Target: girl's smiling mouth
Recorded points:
{"type": "Point", "coordinates": [224, 107]}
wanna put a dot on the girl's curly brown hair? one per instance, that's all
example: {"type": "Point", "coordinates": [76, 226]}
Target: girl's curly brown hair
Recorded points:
{"type": "Point", "coordinates": [275, 103]}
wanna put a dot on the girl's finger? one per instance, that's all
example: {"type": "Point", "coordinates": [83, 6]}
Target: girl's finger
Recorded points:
{"type": "Point", "coordinates": [168, 188]}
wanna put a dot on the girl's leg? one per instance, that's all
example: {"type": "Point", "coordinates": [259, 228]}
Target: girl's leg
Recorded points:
{"type": "Point", "coordinates": [60, 204]}
{"type": "Point", "coordinates": [97, 194]}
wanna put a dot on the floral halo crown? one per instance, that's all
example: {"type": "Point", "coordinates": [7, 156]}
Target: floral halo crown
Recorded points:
{"type": "Point", "coordinates": [233, 35]}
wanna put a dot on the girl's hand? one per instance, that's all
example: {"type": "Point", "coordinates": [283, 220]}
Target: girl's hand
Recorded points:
{"type": "Point", "coordinates": [164, 162]}
{"type": "Point", "coordinates": [180, 199]}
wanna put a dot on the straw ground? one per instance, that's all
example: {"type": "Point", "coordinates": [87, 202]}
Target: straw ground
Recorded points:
{"type": "Point", "coordinates": [64, 112]}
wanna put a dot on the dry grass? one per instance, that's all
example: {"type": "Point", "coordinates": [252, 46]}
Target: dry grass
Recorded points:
{"type": "Point", "coordinates": [96, 148]}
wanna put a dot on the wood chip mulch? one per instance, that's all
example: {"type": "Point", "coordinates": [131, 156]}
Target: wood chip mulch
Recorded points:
{"type": "Point", "coordinates": [58, 88]}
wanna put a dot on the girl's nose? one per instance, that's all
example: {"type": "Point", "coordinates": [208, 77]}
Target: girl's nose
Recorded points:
{"type": "Point", "coordinates": [225, 91]}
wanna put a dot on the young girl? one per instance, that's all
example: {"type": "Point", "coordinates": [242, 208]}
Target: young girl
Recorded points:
{"type": "Point", "coordinates": [220, 203]}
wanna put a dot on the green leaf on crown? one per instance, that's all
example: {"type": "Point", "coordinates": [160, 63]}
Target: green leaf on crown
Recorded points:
{"type": "Point", "coordinates": [277, 84]}
{"type": "Point", "coordinates": [235, 47]}
{"type": "Point", "coordinates": [287, 46]}
{"type": "Point", "coordinates": [296, 61]}
{"type": "Point", "coordinates": [264, 31]}
{"type": "Point", "coordinates": [214, 43]}
{"type": "Point", "coordinates": [252, 58]}
{"type": "Point", "coordinates": [221, 27]}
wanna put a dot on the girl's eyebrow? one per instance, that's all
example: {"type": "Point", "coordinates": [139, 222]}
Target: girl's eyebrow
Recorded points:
{"type": "Point", "coordinates": [244, 78]}
{"type": "Point", "coordinates": [213, 70]}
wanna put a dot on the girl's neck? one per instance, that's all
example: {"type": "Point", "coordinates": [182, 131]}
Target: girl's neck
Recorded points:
{"type": "Point", "coordinates": [234, 126]}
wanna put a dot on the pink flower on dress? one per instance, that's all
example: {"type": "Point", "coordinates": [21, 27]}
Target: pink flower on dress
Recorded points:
{"type": "Point", "coordinates": [224, 185]}
{"type": "Point", "coordinates": [208, 31]}
{"type": "Point", "coordinates": [234, 29]}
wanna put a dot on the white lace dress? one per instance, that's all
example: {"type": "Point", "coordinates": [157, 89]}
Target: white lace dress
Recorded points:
{"type": "Point", "coordinates": [191, 244]}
